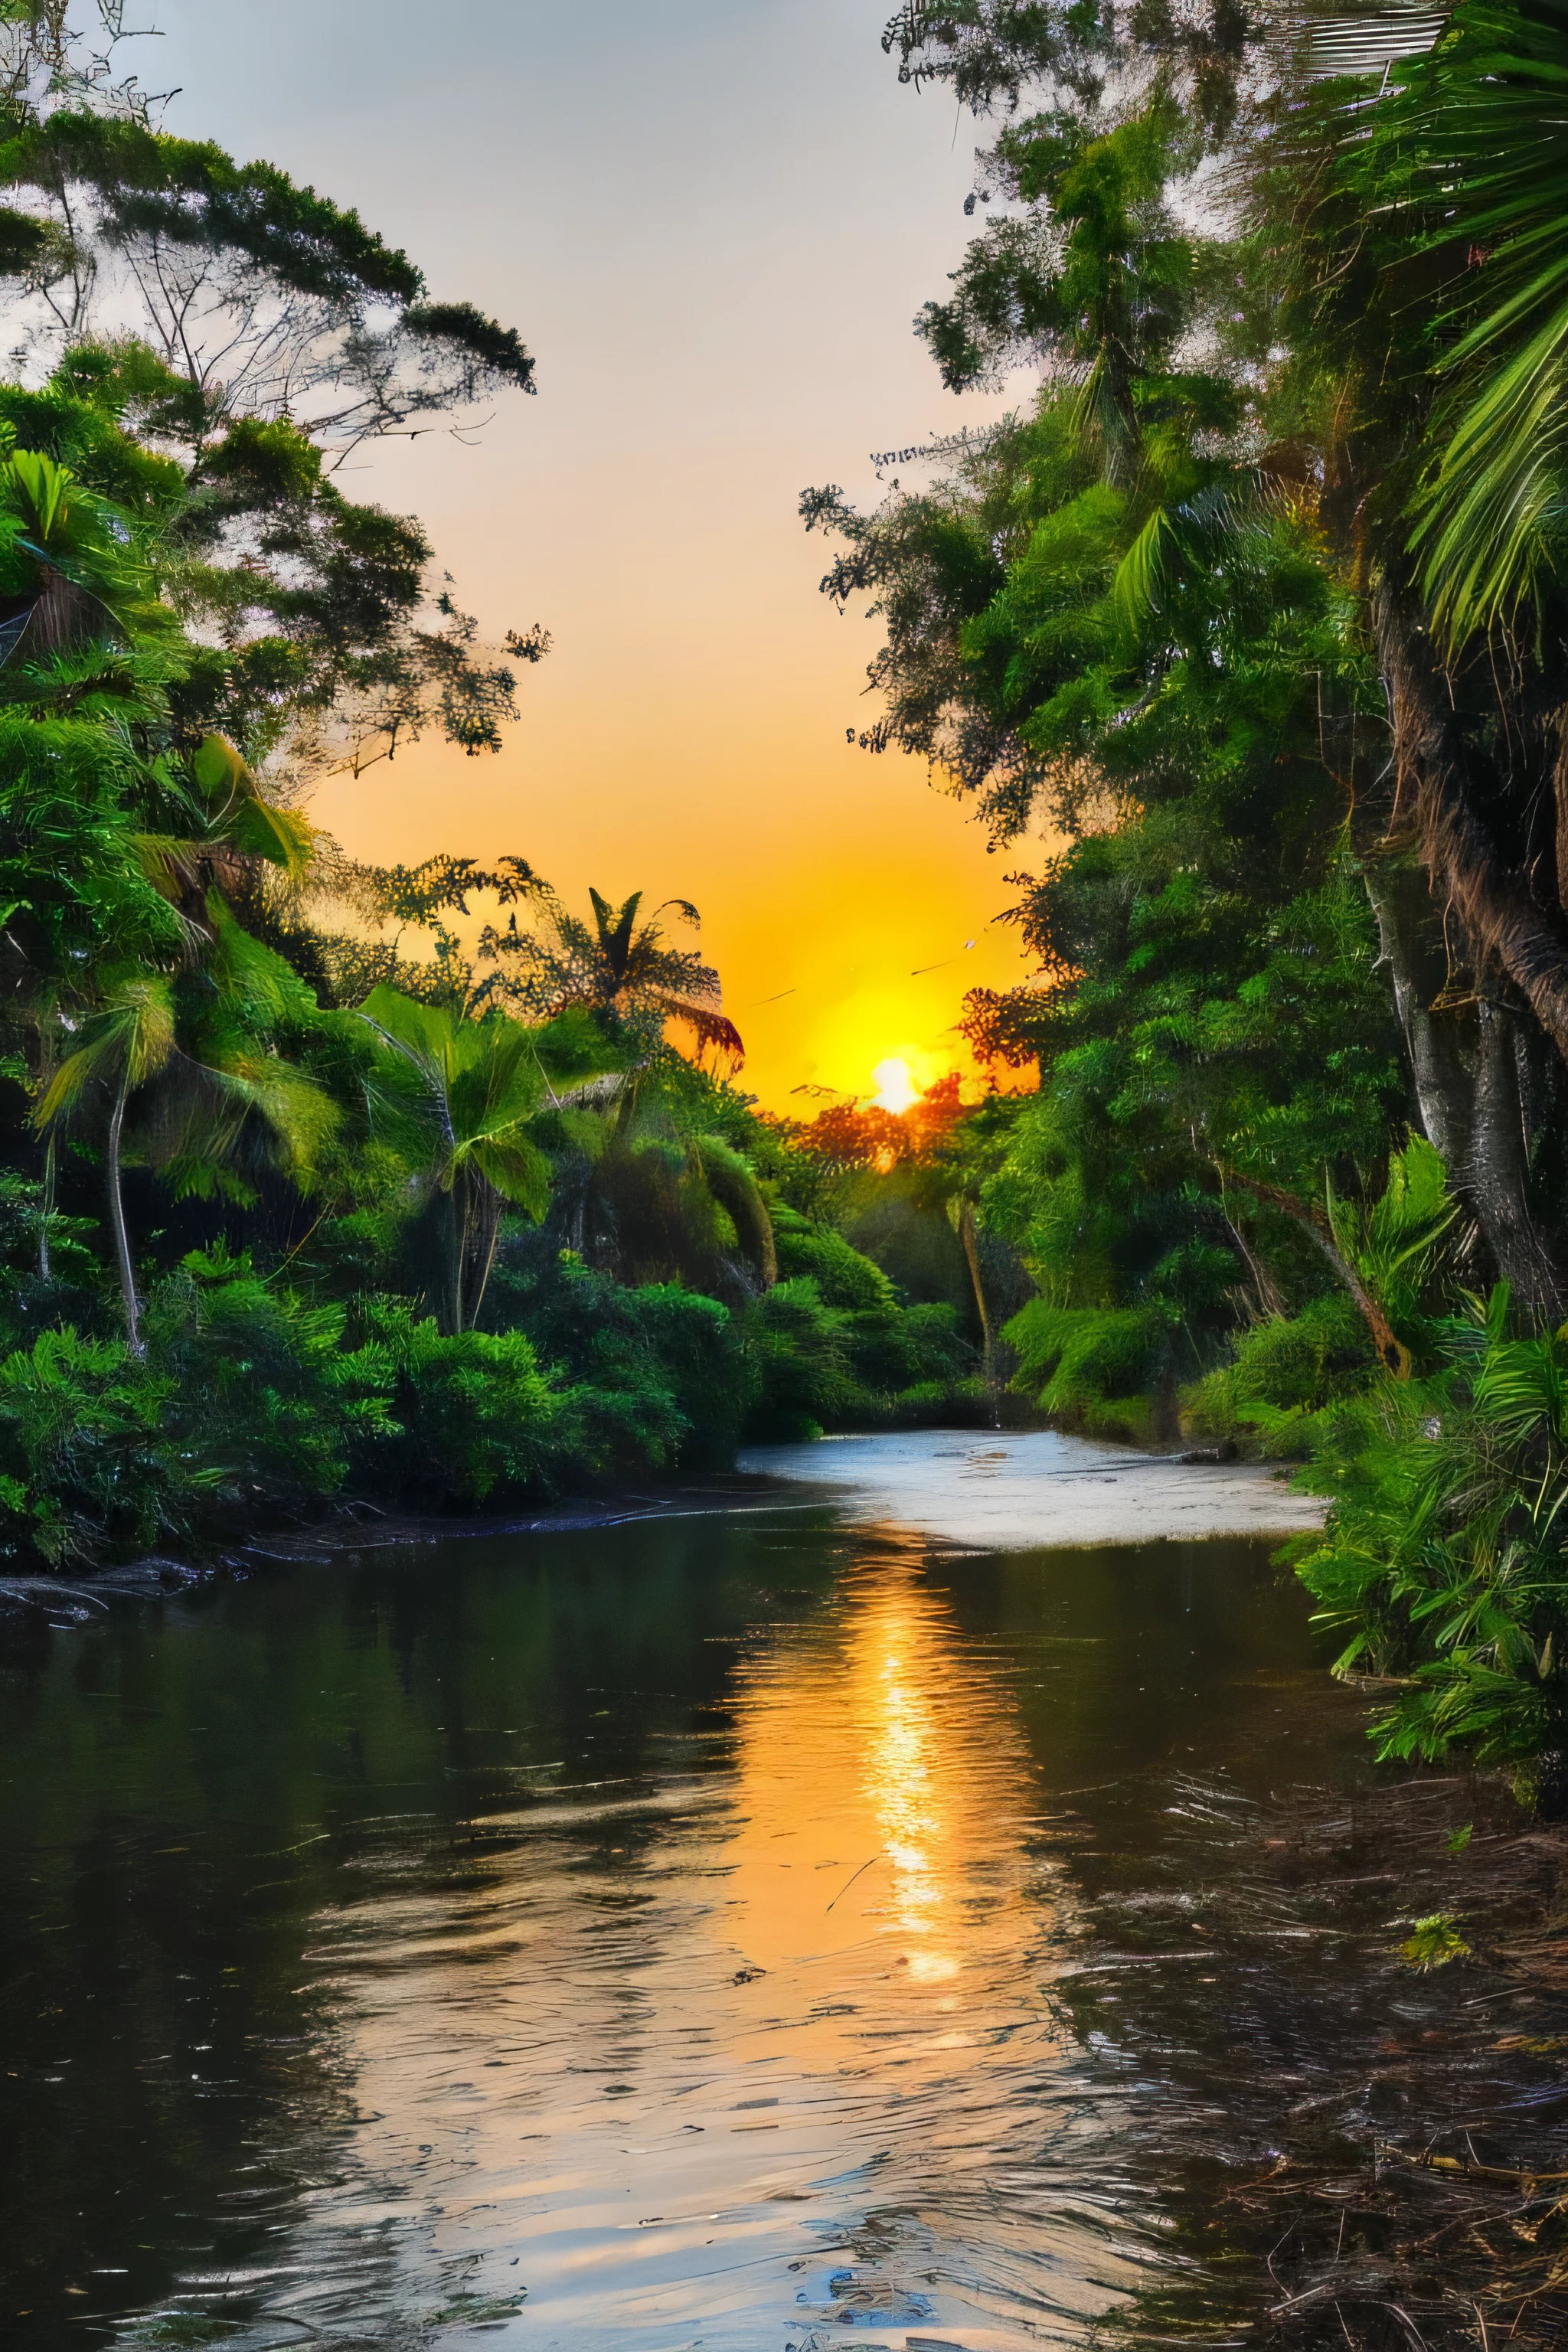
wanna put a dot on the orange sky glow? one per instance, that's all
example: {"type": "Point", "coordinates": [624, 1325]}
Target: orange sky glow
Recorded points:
{"type": "Point", "coordinates": [712, 225]}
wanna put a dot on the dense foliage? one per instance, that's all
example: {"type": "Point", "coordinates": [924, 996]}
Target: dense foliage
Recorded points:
{"type": "Point", "coordinates": [290, 1217]}
{"type": "Point", "coordinates": [1251, 620]}
{"type": "Point", "coordinates": [321, 1182]}
{"type": "Point", "coordinates": [293, 1214]}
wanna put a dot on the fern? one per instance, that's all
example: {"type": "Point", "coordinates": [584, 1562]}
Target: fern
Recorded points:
{"type": "Point", "coordinates": [1445, 1559]}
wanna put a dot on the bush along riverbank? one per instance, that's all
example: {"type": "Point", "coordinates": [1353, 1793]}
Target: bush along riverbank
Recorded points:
{"type": "Point", "coordinates": [1433, 1418]}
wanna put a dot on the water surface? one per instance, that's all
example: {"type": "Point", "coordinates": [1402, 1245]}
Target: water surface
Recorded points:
{"type": "Point", "coordinates": [684, 1932]}
{"type": "Point", "coordinates": [1011, 1491]}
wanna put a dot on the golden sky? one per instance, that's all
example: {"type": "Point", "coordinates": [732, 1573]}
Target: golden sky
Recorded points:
{"type": "Point", "coordinates": [713, 222]}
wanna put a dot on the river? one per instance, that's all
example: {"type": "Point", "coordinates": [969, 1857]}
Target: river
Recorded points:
{"type": "Point", "coordinates": [770, 1922]}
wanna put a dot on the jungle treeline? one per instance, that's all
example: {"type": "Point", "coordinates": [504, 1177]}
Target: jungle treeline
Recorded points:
{"type": "Point", "coordinates": [326, 1186]}
{"type": "Point", "coordinates": [1246, 635]}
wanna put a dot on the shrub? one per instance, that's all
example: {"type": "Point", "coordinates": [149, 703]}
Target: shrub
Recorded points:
{"type": "Point", "coordinates": [654, 1376]}
{"type": "Point", "coordinates": [1284, 1372]}
{"type": "Point", "coordinates": [892, 1362]}
{"type": "Point", "coordinates": [842, 1276]}
{"type": "Point", "coordinates": [263, 1396]}
{"type": "Point", "coordinates": [799, 1350]}
{"type": "Point", "coordinates": [909, 1347]}
{"type": "Point", "coordinates": [85, 1471]}
{"type": "Point", "coordinates": [475, 1418]}
{"type": "Point", "coordinates": [1097, 1366]}
{"type": "Point", "coordinates": [1444, 1559]}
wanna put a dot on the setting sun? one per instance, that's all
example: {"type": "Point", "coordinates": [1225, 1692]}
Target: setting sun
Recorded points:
{"type": "Point", "coordinates": [896, 1090]}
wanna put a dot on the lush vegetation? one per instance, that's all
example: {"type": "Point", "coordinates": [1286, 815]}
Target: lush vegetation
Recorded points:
{"type": "Point", "coordinates": [321, 1184]}
{"type": "Point", "coordinates": [1250, 621]}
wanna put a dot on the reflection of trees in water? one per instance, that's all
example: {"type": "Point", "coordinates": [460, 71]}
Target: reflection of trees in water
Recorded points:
{"type": "Point", "coordinates": [180, 1792]}
{"type": "Point", "coordinates": [350, 1815]}
{"type": "Point", "coordinates": [154, 2018]}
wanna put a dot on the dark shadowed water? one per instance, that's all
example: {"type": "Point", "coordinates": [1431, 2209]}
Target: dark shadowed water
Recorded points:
{"type": "Point", "coordinates": [735, 1930]}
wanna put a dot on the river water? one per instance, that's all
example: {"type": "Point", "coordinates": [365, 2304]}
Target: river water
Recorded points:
{"type": "Point", "coordinates": [759, 1926]}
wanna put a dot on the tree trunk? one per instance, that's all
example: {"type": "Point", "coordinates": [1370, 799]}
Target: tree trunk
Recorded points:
{"type": "Point", "coordinates": [966, 1234]}
{"type": "Point", "coordinates": [1465, 1066]}
{"type": "Point", "coordinates": [117, 1221]}
{"type": "Point", "coordinates": [1435, 1042]}
{"type": "Point", "coordinates": [487, 1227]}
{"type": "Point", "coordinates": [1501, 919]}
{"type": "Point", "coordinates": [1499, 1171]}
{"type": "Point", "coordinates": [1559, 800]}
{"type": "Point", "coordinates": [46, 1212]}
{"type": "Point", "coordinates": [459, 1253]}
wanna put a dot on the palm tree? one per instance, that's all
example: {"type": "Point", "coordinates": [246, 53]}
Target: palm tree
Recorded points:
{"type": "Point", "coordinates": [1416, 218]}
{"type": "Point", "coordinates": [1484, 122]}
{"type": "Point", "coordinates": [129, 1040]}
{"type": "Point", "coordinates": [81, 593]}
{"type": "Point", "coordinates": [482, 1081]}
{"type": "Point", "coordinates": [648, 1205]}
{"type": "Point", "coordinates": [233, 840]}
{"type": "Point", "coordinates": [220, 1071]}
{"type": "Point", "coordinates": [619, 965]}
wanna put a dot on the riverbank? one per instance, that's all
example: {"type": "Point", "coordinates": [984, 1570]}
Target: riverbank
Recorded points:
{"type": "Point", "coordinates": [988, 1489]}
{"type": "Point", "coordinates": [1387, 2163]}
{"type": "Point", "coordinates": [357, 1527]}
{"type": "Point", "coordinates": [1006, 1491]}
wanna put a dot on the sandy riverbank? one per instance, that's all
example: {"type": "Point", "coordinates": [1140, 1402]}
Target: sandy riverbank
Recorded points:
{"type": "Point", "coordinates": [993, 1490]}
{"type": "Point", "coordinates": [983, 1490]}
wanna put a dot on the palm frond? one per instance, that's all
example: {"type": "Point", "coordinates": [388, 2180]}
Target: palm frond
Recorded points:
{"type": "Point", "coordinates": [130, 1038]}
{"type": "Point", "coordinates": [1478, 141]}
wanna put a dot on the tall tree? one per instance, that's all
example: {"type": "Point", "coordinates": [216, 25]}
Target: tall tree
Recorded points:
{"type": "Point", "coordinates": [253, 332]}
{"type": "Point", "coordinates": [622, 964]}
{"type": "Point", "coordinates": [1415, 238]}
{"type": "Point", "coordinates": [127, 1041]}
{"type": "Point", "coordinates": [1320, 362]}
{"type": "Point", "coordinates": [482, 1081]}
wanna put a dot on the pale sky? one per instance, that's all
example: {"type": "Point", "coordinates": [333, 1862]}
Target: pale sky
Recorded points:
{"type": "Point", "coordinates": [713, 222]}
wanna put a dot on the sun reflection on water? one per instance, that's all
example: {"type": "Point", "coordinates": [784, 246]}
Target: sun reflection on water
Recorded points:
{"type": "Point", "coordinates": [877, 1757]}
{"type": "Point", "coordinates": [894, 1640]}
{"type": "Point", "coordinates": [809, 2013]}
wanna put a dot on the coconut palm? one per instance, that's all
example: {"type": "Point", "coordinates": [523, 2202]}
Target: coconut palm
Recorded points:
{"type": "Point", "coordinates": [647, 1205]}
{"type": "Point", "coordinates": [1484, 120]}
{"type": "Point", "coordinates": [1417, 215]}
{"type": "Point", "coordinates": [127, 1041]}
{"type": "Point", "coordinates": [481, 1082]}
{"type": "Point", "coordinates": [619, 965]}
{"type": "Point", "coordinates": [75, 592]}
{"type": "Point", "coordinates": [219, 1073]}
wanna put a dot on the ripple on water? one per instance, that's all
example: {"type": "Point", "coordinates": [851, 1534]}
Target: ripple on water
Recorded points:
{"type": "Point", "coordinates": [640, 1937]}
{"type": "Point", "coordinates": [795, 2066]}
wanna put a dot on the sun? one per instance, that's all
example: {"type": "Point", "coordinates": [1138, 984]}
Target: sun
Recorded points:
{"type": "Point", "coordinates": [896, 1090]}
